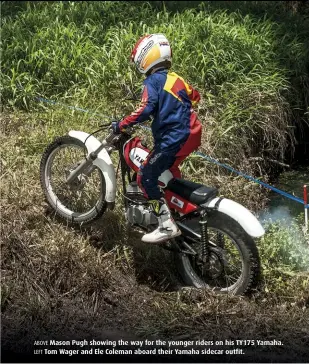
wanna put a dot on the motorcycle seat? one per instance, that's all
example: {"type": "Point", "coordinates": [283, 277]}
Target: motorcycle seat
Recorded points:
{"type": "Point", "coordinates": [193, 192]}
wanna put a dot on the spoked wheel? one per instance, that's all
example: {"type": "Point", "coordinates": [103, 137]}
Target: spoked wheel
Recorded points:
{"type": "Point", "coordinates": [81, 201]}
{"type": "Point", "coordinates": [233, 263]}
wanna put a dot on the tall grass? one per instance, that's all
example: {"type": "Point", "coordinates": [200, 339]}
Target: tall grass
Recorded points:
{"type": "Point", "coordinates": [57, 281]}
{"type": "Point", "coordinates": [68, 283]}
{"type": "Point", "coordinates": [78, 52]}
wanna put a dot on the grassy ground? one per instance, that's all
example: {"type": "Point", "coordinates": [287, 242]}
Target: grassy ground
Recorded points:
{"type": "Point", "coordinates": [60, 282]}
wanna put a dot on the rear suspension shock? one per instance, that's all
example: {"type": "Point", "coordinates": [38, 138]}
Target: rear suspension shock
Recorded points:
{"type": "Point", "coordinates": [204, 237]}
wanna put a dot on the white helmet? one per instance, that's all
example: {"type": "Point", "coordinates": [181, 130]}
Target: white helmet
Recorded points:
{"type": "Point", "coordinates": [151, 50]}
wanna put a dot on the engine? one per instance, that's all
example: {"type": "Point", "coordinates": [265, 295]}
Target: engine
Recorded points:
{"type": "Point", "coordinates": [137, 212]}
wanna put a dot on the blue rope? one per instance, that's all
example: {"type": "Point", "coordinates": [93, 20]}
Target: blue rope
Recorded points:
{"type": "Point", "coordinates": [283, 193]}
{"type": "Point", "coordinates": [67, 106]}
{"type": "Point", "coordinates": [210, 159]}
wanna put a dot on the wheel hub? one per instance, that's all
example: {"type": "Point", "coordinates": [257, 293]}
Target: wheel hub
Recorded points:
{"type": "Point", "coordinates": [79, 182]}
{"type": "Point", "coordinates": [214, 265]}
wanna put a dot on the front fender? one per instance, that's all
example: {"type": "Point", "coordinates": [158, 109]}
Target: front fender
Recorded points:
{"type": "Point", "coordinates": [240, 214]}
{"type": "Point", "coordinates": [103, 161]}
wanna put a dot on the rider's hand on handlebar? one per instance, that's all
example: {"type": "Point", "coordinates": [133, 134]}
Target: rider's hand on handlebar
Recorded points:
{"type": "Point", "coordinates": [115, 127]}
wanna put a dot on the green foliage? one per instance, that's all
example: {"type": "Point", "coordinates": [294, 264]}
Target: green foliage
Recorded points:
{"type": "Point", "coordinates": [251, 72]}
{"type": "Point", "coordinates": [68, 48]}
{"type": "Point", "coordinates": [286, 246]}
{"type": "Point", "coordinates": [284, 253]}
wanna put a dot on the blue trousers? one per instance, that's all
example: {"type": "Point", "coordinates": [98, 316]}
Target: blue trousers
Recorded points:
{"type": "Point", "coordinates": [157, 162]}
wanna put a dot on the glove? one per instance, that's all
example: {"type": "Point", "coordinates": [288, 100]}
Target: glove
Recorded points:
{"type": "Point", "coordinates": [116, 127]}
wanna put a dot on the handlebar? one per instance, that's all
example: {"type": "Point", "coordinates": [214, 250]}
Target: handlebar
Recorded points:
{"type": "Point", "coordinates": [111, 136]}
{"type": "Point", "coordinates": [105, 125]}
{"type": "Point", "coordinates": [109, 125]}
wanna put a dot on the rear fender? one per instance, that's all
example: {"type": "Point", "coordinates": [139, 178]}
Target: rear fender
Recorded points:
{"type": "Point", "coordinates": [103, 162]}
{"type": "Point", "coordinates": [238, 213]}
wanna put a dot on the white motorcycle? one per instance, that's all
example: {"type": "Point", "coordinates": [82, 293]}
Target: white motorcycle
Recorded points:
{"type": "Point", "coordinates": [216, 249]}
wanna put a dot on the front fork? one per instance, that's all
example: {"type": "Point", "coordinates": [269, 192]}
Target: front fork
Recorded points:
{"type": "Point", "coordinates": [87, 164]}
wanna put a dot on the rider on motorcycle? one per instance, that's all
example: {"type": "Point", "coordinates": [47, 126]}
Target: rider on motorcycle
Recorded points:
{"type": "Point", "coordinates": [175, 127]}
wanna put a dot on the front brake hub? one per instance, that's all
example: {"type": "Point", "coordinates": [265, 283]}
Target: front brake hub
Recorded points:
{"type": "Point", "coordinates": [78, 182]}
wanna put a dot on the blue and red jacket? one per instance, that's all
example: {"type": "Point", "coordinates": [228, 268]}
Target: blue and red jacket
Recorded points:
{"type": "Point", "coordinates": [169, 99]}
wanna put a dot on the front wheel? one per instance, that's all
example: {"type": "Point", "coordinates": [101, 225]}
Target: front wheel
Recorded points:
{"type": "Point", "coordinates": [233, 264]}
{"type": "Point", "coordinates": [83, 200]}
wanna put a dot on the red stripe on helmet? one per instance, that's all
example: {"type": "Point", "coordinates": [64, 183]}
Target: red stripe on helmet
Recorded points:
{"type": "Point", "coordinates": [133, 53]}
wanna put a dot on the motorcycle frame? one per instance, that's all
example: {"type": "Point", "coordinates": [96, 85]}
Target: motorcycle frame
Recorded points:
{"type": "Point", "coordinates": [98, 155]}
{"type": "Point", "coordinates": [180, 245]}
{"type": "Point", "coordinates": [208, 254]}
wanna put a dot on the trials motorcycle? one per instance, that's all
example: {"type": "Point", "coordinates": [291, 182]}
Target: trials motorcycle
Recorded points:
{"type": "Point", "coordinates": [216, 249]}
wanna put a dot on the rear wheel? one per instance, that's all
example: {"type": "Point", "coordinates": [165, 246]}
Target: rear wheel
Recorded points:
{"type": "Point", "coordinates": [83, 200]}
{"type": "Point", "coordinates": [233, 266]}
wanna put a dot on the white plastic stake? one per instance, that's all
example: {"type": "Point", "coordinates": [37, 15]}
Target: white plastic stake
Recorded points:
{"type": "Point", "coordinates": [306, 207]}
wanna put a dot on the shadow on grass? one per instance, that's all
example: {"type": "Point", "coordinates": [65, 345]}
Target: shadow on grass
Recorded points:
{"type": "Point", "coordinates": [151, 265]}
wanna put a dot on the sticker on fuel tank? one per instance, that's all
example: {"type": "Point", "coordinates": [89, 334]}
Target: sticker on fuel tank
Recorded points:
{"type": "Point", "coordinates": [177, 202]}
